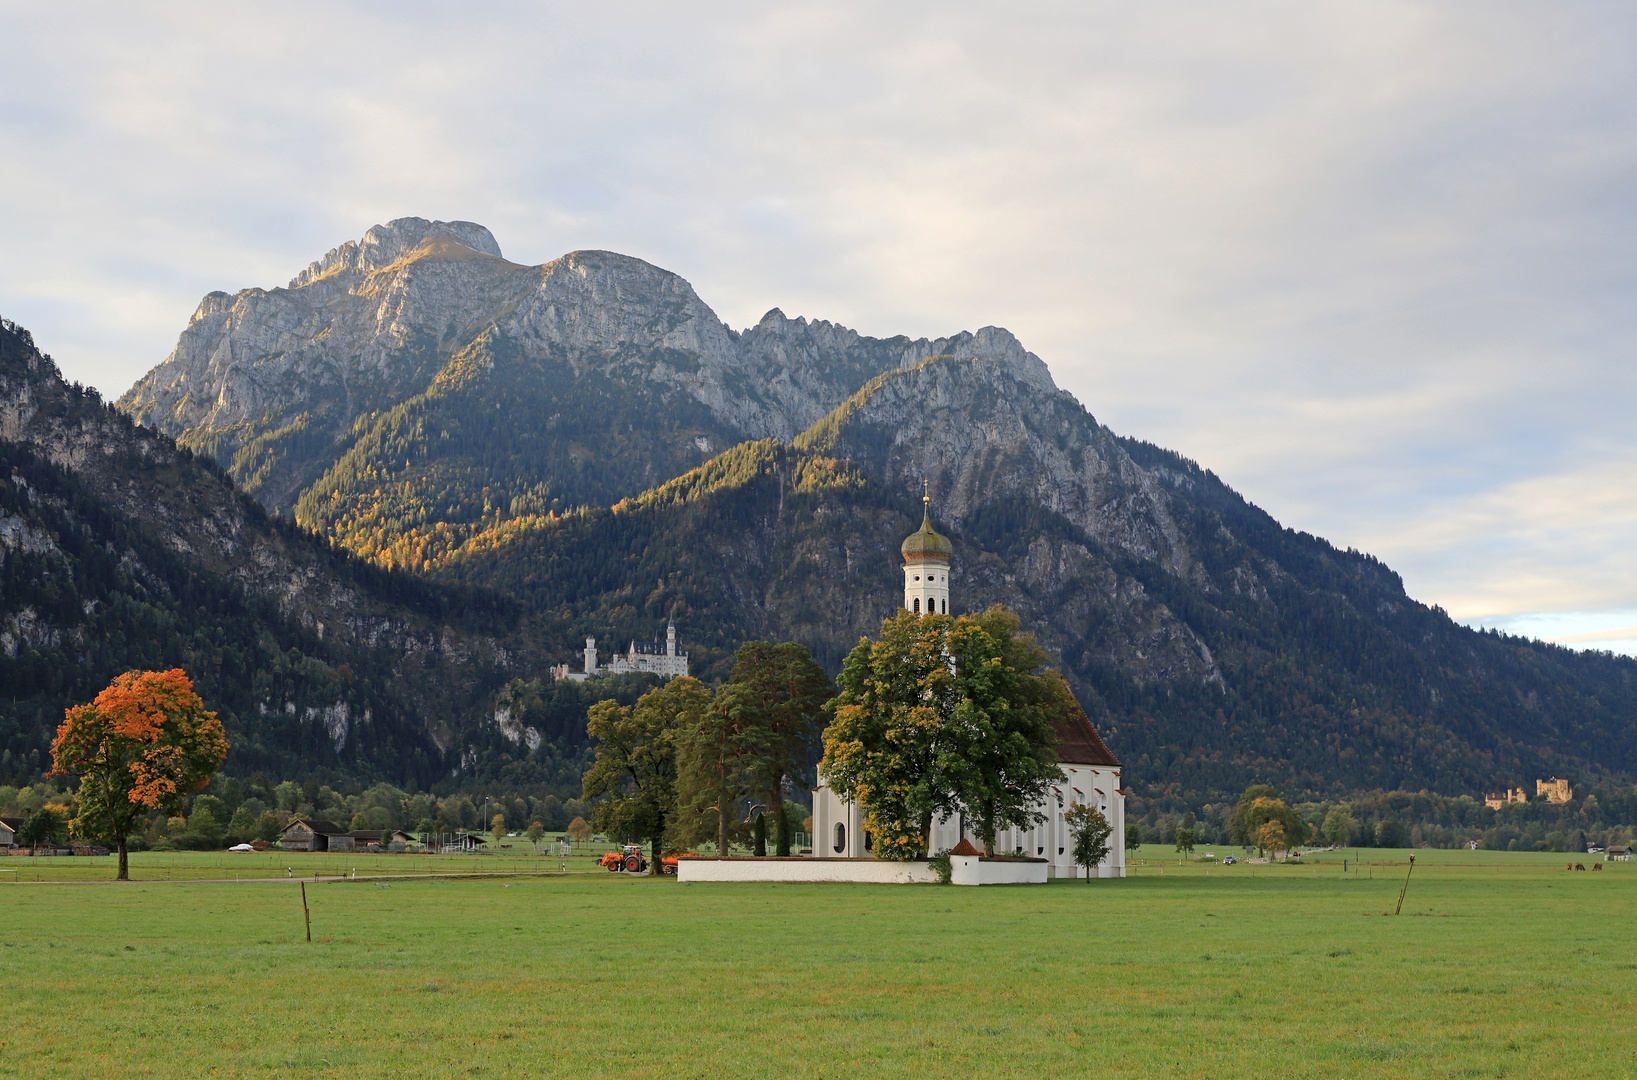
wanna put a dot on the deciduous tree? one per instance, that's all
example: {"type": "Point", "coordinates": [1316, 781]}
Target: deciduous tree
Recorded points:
{"type": "Point", "coordinates": [632, 779]}
{"type": "Point", "coordinates": [1185, 841]}
{"type": "Point", "coordinates": [47, 827]}
{"type": "Point", "coordinates": [1259, 805]}
{"type": "Point", "coordinates": [146, 742]}
{"type": "Point", "coordinates": [942, 716]}
{"type": "Point", "coordinates": [1339, 827]}
{"type": "Point", "coordinates": [1270, 837]}
{"type": "Point", "coordinates": [1090, 830]}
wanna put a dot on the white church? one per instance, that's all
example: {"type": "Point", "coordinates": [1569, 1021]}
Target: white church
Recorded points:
{"type": "Point", "coordinates": [663, 658]}
{"type": "Point", "coordinates": [1091, 773]}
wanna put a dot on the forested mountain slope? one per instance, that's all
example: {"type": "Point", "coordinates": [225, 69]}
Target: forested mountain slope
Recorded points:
{"type": "Point", "coordinates": [119, 550]}
{"type": "Point", "coordinates": [1210, 644]}
{"type": "Point", "coordinates": [587, 437]}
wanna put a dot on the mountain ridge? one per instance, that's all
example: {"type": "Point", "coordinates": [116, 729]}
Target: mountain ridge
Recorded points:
{"type": "Point", "coordinates": [587, 436]}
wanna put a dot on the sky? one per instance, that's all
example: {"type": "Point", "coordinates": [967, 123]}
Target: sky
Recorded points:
{"type": "Point", "coordinates": [1375, 264]}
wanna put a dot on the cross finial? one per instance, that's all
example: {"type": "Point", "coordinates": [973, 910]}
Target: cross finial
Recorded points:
{"type": "Point", "coordinates": [926, 492]}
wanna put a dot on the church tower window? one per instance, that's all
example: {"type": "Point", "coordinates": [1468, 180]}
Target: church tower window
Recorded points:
{"type": "Point", "coordinates": [917, 605]}
{"type": "Point", "coordinates": [841, 838]}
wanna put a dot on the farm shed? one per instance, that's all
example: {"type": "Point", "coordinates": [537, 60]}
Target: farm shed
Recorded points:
{"type": "Point", "coordinates": [316, 835]}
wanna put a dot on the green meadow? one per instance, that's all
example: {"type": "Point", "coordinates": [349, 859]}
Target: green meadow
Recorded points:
{"type": "Point", "coordinates": [1500, 965]}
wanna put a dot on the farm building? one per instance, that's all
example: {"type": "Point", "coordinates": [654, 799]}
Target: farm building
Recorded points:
{"type": "Point", "coordinates": [9, 827]}
{"type": "Point", "coordinates": [1618, 853]}
{"type": "Point", "coordinates": [318, 835]}
{"type": "Point", "coordinates": [363, 838]}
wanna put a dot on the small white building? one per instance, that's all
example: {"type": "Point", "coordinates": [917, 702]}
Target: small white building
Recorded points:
{"type": "Point", "coordinates": [1091, 772]}
{"type": "Point", "coordinates": [663, 658]}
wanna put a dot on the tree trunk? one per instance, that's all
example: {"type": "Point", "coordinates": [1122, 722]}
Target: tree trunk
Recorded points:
{"type": "Point", "coordinates": [124, 863]}
{"type": "Point", "coordinates": [722, 824]}
{"type": "Point", "coordinates": [655, 867]}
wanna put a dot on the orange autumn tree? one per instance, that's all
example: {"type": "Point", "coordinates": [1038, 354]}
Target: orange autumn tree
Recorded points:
{"type": "Point", "coordinates": [145, 743]}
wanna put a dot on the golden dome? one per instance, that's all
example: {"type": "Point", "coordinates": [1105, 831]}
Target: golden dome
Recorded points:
{"type": "Point", "coordinates": [925, 543]}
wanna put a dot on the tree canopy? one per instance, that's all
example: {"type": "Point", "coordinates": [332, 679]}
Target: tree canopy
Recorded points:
{"type": "Point", "coordinates": [943, 716]}
{"type": "Point", "coordinates": [146, 742]}
{"type": "Point", "coordinates": [632, 779]}
{"type": "Point", "coordinates": [1259, 805]}
{"type": "Point", "coordinates": [754, 736]}
{"type": "Point", "coordinates": [1090, 830]}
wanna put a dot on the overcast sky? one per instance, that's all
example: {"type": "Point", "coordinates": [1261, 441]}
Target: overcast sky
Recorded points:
{"type": "Point", "coordinates": [1372, 263]}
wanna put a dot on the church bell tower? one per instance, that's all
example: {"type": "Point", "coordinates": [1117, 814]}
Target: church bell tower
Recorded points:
{"type": "Point", "coordinates": [926, 566]}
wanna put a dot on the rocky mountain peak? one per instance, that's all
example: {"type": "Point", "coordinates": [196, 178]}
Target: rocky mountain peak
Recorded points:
{"type": "Point", "coordinates": [384, 245]}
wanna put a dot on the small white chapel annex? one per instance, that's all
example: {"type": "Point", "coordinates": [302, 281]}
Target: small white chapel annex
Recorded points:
{"type": "Point", "coordinates": [1091, 773]}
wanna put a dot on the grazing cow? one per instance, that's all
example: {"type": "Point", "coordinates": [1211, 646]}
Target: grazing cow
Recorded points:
{"type": "Point", "coordinates": [1597, 866]}
{"type": "Point", "coordinates": [1580, 866]}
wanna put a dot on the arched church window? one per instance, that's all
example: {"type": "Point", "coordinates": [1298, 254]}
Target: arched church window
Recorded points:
{"type": "Point", "coordinates": [841, 838]}
{"type": "Point", "coordinates": [869, 841]}
{"type": "Point", "coordinates": [946, 607]}
{"type": "Point", "coordinates": [917, 605]}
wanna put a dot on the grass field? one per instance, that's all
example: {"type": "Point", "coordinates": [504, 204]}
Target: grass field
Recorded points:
{"type": "Point", "coordinates": [1501, 965]}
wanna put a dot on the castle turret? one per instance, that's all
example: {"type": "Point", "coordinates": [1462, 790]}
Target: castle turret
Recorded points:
{"type": "Point", "coordinates": [591, 656]}
{"type": "Point", "coordinates": [926, 566]}
{"type": "Point", "coordinates": [670, 637]}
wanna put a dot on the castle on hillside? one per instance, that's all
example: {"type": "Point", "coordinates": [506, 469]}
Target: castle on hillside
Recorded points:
{"type": "Point", "coordinates": [1555, 791]}
{"type": "Point", "coordinates": [1091, 773]}
{"type": "Point", "coordinates": [663, 658]}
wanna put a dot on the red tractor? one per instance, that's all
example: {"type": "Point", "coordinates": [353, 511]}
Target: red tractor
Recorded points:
{"type": "Point", "coordinates": [628, 859]}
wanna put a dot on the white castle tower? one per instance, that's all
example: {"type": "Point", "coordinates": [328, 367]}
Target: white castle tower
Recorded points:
{"type": "Point", "coordinates": [926, 567]}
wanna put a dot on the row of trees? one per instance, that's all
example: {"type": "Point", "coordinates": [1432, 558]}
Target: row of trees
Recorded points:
{"type": "Point", "coordinates": [676, 767]}
{"type": "Point", "coordinates": [940, 717]}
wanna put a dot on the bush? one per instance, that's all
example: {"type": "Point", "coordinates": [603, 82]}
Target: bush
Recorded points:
{"type": "Point", "coordinates": [943, 867]}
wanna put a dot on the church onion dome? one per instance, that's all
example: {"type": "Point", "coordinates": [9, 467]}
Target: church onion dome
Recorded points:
{"type": "Point", "coordinates": [925, 544]}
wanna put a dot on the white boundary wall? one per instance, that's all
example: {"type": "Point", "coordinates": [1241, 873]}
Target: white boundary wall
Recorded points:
{"type": "Point", "coordinates": [969, 870]}
{"type": "Point", "coordinates": [976, 870]}
{"type": "Point", "coordinates": [866, 871]}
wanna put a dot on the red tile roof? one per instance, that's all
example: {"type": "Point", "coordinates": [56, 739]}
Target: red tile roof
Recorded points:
{"type": "Point", "coordinates": [1078, 742]}
{"type": "Point", "coordinates": [964, 848]}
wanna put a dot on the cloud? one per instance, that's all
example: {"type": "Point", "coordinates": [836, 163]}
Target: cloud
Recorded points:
{"type": "Point", "coordinates": [1369, 262]}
